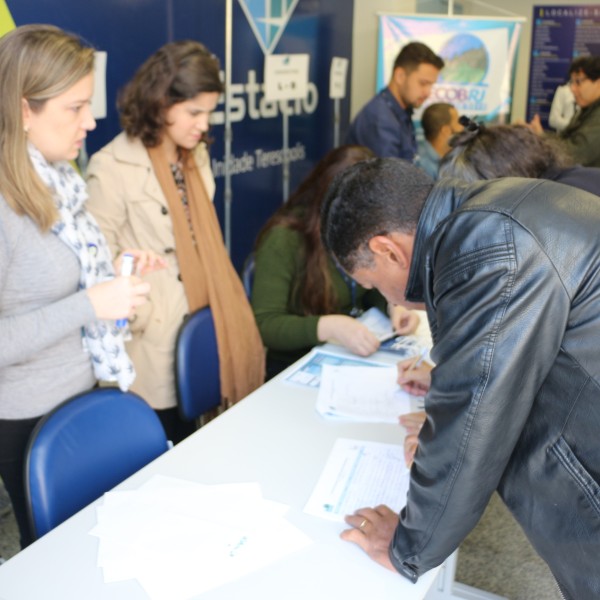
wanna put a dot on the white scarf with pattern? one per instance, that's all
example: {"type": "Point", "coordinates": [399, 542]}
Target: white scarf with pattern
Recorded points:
{"type": "Point", "coordinates": [78, 229]}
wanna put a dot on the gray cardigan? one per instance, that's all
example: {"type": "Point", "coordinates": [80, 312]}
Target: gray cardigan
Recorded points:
{"type": "Point", "coordinates": [42, 361]}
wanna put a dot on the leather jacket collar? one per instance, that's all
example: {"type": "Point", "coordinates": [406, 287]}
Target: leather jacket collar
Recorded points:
{"type": "Point", "coordinates": [445, 197]}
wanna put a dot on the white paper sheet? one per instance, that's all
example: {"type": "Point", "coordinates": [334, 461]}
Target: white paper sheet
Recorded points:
{"type": "Point", "coordinates": [378, 323]}
{"type": "Point", "coordinates": [308, 372]}
{"type": "Point", "coordinates": [360, 474]}
{"type": "Point", "coordinates": [364, 394]}
{"type": "Point", "coordinates": [179, 539]}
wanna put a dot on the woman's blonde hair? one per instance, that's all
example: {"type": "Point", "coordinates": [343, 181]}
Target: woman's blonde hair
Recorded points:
{"type": "Point", "coordinates": [37, 63]}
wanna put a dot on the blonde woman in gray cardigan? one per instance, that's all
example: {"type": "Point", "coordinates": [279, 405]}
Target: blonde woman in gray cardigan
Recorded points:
{"type": "Point", "coordinates": [58, 294]}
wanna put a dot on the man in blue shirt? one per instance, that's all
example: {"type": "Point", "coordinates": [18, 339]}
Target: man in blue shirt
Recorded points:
{"type": "Point", "coordinates": [385, 123]}
{"type": "Point", "coordinates": [439, 122]}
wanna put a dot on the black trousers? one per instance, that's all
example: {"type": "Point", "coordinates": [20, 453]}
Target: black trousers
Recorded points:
{"type": "Point", "coordinates": [14, 435]}
{"type": "Point", "coordinates": [175, 427]}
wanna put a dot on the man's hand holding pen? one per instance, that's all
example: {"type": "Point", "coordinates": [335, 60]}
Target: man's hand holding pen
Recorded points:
{"type": "Point", "coordinates": [414, 376]}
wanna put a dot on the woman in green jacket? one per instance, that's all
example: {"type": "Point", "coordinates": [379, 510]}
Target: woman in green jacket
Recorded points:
{"type": "Point", "coordinates": [299, 297]}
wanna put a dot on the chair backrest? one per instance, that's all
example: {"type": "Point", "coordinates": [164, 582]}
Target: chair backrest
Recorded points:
{"type": "Point", "coordinates": [248, 274]}
{"type": "Point", "coordinates": [197, 379]}
{"type": "Point", "coordinates": [83, 448]}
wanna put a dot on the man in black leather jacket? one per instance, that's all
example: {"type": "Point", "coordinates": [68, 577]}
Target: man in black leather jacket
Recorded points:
{"type": "Point", "coordinates": [509, 272]}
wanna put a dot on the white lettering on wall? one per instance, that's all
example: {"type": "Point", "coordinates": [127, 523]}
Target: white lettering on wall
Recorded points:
{"type": "Point", "coordinates": [258, 159]}
{"type": "Point", "coordinates": [247, 99]}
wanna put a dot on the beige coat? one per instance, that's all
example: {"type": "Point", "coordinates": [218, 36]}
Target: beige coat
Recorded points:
{"type": "Point", "coordinates": [126, 199]}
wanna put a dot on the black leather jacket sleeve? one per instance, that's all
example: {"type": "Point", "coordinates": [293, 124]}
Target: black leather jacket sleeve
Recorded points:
{"type": "Point", "coordinates": [491, 292]}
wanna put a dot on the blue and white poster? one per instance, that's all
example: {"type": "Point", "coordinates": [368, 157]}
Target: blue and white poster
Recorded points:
{"type": "Point", "coordinates": [479, 56]}
{"type": "Point", "coordinates": [559, 35]}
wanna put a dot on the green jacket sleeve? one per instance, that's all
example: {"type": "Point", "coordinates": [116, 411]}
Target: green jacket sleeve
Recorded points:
{"type": "Point", "coordinates": [581, 137]}
{"type": "Point", "coordinates": [277, 271]}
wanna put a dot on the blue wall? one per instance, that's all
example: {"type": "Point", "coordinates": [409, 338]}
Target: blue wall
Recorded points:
{"type": "Point", "coordinates": [130, 30]}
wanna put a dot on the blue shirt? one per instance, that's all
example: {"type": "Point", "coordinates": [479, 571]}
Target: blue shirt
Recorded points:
{"type": "Point", "coordinates": [385, 127]}
{"type": "Point", "coordinates": [428, 159]}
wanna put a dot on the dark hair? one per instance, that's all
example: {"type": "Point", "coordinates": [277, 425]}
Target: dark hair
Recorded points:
{"type": "Point", "coordinates": [434, 117]}
{"type": "Point", "coordinates": [415, 54]}
{"type": "Point", "coordinates": [481, 152]}
{"type": "Point", "coordinates": [302, 213]}
{"type": "Point", "coordinates": [588, 65]}
{"type": "Point", "coordinates": [377, 197]}
{"type": "Point", "coordinates": [176, 72]}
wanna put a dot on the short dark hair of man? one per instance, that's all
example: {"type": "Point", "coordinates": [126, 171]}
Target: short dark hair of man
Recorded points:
{"type": "Point", "coordinates": [588, 65]}
{"type": "Point", "coordinates": [502, 151]}
{"type": "Point", "coordinates": [414, 54]}
{"type": "Point", "coordinates": [434, 117]}
{"type": "Point", "coordinates": [374, 197]}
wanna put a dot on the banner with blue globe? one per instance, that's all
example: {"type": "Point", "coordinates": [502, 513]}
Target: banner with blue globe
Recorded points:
{"type": "Point", "coordinates": [479, 55]}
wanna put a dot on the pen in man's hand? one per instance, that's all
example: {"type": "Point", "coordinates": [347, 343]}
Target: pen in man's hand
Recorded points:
{"type": "Point", "coordinates": [418, 360]}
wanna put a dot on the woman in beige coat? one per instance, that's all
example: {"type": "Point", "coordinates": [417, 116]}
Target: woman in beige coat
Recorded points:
{"type": "Point", "coordinates": [153, 185]}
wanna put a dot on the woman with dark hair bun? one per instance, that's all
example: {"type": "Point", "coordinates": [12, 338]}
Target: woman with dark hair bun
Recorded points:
{"type": "Point", "coordinates": [154, 183]}
{"type": "Point", "coordinates": [299, 297]}
{"type": "Point", "coordinates": [489, 152]}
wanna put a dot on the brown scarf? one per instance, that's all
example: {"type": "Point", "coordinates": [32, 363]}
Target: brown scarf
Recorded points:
{"type": "Point", "coordinates": [210, 279]}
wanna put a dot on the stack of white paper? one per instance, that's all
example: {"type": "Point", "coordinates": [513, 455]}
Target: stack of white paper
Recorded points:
{"type": "Point", "coordinates": [364, 394]}
{"type": "Point", "coordinates": [179, 538]}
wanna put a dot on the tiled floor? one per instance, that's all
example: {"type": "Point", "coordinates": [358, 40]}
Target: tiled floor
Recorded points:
{"type": "Point", "coordinates": [496, 556]}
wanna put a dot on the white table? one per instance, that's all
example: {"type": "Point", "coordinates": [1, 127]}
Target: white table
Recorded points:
{"type": "Point", "coordinates": [274, 437]}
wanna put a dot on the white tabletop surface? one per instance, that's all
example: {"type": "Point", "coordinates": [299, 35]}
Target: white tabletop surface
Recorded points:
{"type": "Point", "coordinates": [274, 437]}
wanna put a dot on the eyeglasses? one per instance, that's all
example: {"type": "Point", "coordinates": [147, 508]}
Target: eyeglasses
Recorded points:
{"type": "Point", "coordinates": [578, 81]}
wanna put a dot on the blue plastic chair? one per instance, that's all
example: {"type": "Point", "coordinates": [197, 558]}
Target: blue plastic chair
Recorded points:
{"type": "Point", "coordinates": [197, 379]}
{"type": "Point", "coordinates": [83, 448]}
